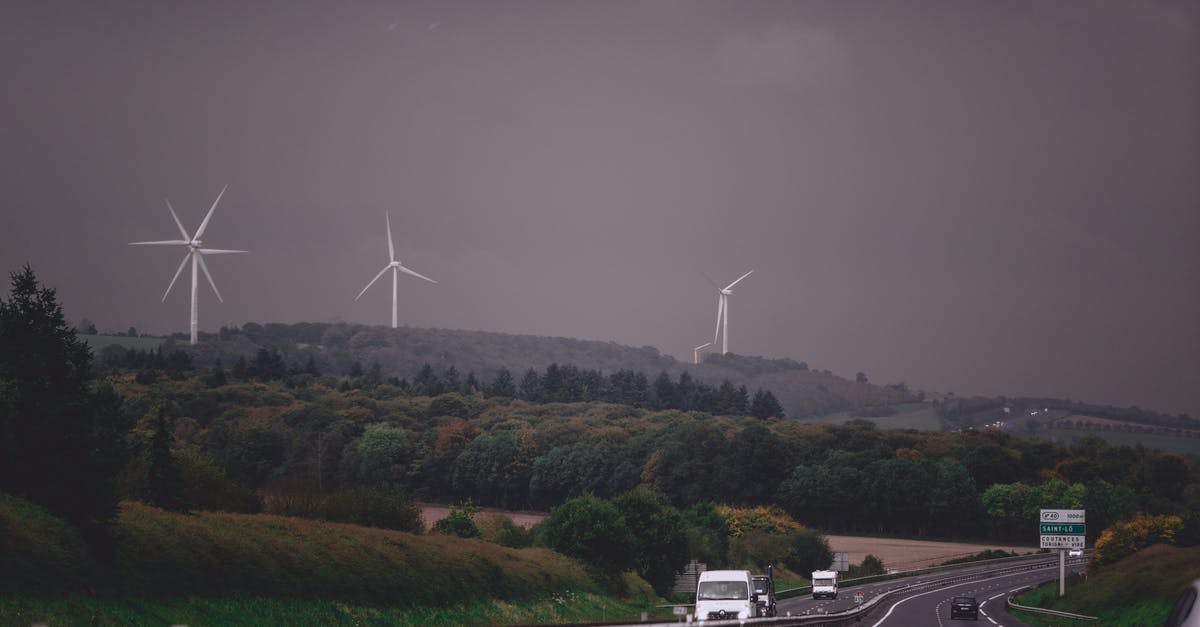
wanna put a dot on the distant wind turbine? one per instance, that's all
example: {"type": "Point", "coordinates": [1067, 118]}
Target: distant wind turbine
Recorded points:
{"type": "Point", "coordinates": [696, 352]}
{"type": "Point", "coordinates": [196, 254]}
{"type": "Point", "coordinates": [723, 312]}
{"type": "Point", "coordinates": [396, 269]}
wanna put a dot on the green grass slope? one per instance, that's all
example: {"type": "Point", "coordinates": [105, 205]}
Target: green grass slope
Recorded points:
{"type": "Point", "coordinates": [208, 553]}
{"type": "Point", "coordinates": [1137, 590]}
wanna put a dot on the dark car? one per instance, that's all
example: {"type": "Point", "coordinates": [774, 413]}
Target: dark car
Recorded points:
{"type": "Point", "coordinates": [964, 607]}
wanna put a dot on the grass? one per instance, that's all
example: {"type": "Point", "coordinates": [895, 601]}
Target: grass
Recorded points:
{"type": "Point", "coordinates": [565, 607]}
{"type": "Point", "coordinates": [1137, 590]}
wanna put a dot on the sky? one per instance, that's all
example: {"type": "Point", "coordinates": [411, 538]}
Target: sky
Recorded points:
{"type": "Point", "coordinates": [967, 196]}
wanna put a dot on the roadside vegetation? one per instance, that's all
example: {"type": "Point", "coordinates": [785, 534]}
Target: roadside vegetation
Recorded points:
{"type": "Point", "coordinates": [1139, 589]}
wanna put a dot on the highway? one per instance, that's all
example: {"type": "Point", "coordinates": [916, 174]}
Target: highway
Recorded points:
{"type": "Point", "coordinates": [924, 599]}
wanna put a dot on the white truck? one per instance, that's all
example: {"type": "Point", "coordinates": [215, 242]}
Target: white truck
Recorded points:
{"type": "Point", "coordinates": [725, 595]}
{"type": "Point", "coordinates": [824, 584]}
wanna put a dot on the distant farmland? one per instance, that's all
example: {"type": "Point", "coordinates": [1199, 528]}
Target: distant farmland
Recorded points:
{"type": "Point", "coordinates": [1153, 441]}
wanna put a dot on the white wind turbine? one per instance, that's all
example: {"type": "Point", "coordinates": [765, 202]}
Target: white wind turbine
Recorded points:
{"type": "Point", "coordinates": [723, 312]}
{"type": "Point", "coordinates": [396, 269]}
{"type": "Point", "coordinates": [196, 254]}
{"type": "Point", "coordinates": [696, 352]}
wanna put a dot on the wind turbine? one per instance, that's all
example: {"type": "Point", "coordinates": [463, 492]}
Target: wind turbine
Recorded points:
{"type": "Point", "coordinates": [396, 269]}
{"type": "Point", "coordinates": [196, 254]}
{"type": "Point", "coordinates": [696, 352]}
{"type": "Point", "coordinates": [723, 312]}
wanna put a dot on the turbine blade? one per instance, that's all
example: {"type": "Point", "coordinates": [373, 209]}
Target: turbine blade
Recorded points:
{"type": "Point", "coordinates": [204, 225]}
{"type": "Point", "coordinates": [218, 251]}
{"type": "Point", "coordinates": [704, 345]}
{"type": "Point", "coordinates": [204, 267]}
{"type": "Point", "coordinates": [391, 249]}
{"type": "Point", "coordinates": [176, 277]}
{"type": "Point", "coordinates": [720, 312]}
{"type": "Point", "coordinates": [167, 241]}
{"type": "Point", "coordinates": [714, 283]}
{"type": "Point", "coordinates": [364, 290]}
{"type": "Point", "coordinates": [730, 286]}
{"type": "Point", "coordinates": [419, 276]}
{"type": "Point", "coordinates": [182, 231]}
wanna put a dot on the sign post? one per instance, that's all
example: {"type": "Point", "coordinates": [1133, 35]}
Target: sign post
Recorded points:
{"type": "Point", "coordinates": [1062, 529]}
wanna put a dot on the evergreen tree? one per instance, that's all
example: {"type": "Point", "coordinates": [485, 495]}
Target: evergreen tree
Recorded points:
{"type": "Point", "coordinates": [162, 479]}
{"type": "Point", "coordinates": [310, 367]}
{"type": "Point", "coordinates": [502, 385]}
{"type": "Point", "coordinates": [62, 437]}
{"type": "Point", "coordinates": [217, 377]}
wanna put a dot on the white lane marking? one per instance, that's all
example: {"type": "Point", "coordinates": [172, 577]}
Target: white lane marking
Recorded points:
{"type": "Point", "coordinates": [893, 607]}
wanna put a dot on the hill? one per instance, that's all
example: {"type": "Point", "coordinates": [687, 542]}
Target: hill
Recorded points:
{"type": "Point", "coordinates": [336, 347]}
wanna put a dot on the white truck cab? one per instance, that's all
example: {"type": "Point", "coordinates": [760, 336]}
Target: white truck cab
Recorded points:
{"type": "Point", "coordinates": [725, 595]}
{"type": "Point", "coordinates": [825, 584]}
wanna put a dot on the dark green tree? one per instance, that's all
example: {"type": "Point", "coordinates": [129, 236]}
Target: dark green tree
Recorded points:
{"type": "Point", "coordinates": [502, 385]}
{"type": "Point", "coordinates": [765, 405]}
{"type": "Point", "coordinates": [592, 530]}
{"type": "Point", "coordinates": [162, 478]}
{"type": "Point", "coordinates": [62, 436]}
{"type": "Point", "coordinates": [660, 545]}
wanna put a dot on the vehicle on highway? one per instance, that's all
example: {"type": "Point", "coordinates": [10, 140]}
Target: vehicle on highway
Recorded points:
{"type": "Point", "coordinates": [825, 584]}
{"type": "Point", "coordinates": [1075, 553]}
{"type": "Point", "coordinates": [725, 595]}
{"type": "Point", "coordinates": [1186, 611]}
{"type": "Point", "coordinates": [764, 587]}
{"type": "Point", "coordinates": [964, 607]}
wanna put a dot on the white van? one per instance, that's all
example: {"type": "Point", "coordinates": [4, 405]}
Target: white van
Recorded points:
{"type": "Point", "coordinates": [824, 584]}
{"type": "Point", "coordinates": [725, 594]}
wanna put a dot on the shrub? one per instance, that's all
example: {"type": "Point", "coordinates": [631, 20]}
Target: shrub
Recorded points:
{"type": "Point", "coordinates": [592, 530]}
{"type": "Point", "coordinates": [460, 522]}
{"type": "Point", "coordinates": [1127, 538]}
{"type": "Point", "coordinates": [500, 529]}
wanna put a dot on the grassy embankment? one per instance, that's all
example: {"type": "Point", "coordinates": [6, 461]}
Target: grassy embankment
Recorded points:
{"type": "Point", "coordinates": [1137, 590]}
{"type": "Point", "coordinates": [217, 568]}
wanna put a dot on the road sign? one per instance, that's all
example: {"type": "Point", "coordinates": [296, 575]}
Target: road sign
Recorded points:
{"type": "Point", "coordinates": [1061, 516]}
{"type": "Point", "coordinates": [1052, 529]}
{"type": "Point", "coordinates": [858, 598]}
{"type": "Point", "coordinates": [1063, 542]}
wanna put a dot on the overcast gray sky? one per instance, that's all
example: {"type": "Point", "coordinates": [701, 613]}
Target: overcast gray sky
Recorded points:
{"type": "Point", "coordinates": [968, 196]}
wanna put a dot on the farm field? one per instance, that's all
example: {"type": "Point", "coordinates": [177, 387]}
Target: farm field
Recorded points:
{"type": "Point", "coordinates": [898, 553]}
{"type": "Point", "coordinates": [921, 416]}
{"type": "Point", "coordinates": [1154, 441]}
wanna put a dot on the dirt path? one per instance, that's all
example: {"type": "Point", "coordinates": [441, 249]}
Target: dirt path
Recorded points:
{"type": "Point", "coordinates": [898, 554]}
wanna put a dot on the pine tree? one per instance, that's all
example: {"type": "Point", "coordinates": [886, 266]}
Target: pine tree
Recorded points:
{"type": "Point", "coordinates": [62, 436]}
{"type": "Point", "coordinates": [162, 479]}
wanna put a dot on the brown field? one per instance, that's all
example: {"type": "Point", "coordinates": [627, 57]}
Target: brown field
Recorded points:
{"type": "Point", "coordinates": [895, 553]}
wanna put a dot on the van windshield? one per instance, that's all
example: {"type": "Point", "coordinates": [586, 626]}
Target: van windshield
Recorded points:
{"type": "Point", "coordinates": [822, 582]}
{"type": "Point", "coordinates": [722, 591]}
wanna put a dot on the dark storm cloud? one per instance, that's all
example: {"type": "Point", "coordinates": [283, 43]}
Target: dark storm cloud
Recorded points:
{"type": "Point", "coordinates": [970, 197]}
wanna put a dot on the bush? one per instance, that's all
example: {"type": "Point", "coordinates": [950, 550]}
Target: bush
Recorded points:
{"type": "Point", "coordinates": [500, 529]}
{"type": "Point", "coordinates": [460, 522]}
{"type": "Point", "coordinates": [1127, 538]}
{"type": "Point", "coordinates": [592, 530]}
{"type": "Point", "coordinates": [373, 506]}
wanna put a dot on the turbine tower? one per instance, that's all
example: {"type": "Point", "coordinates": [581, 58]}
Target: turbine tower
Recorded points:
{"type": "Point", "coordinates": [396, 269]}
{"type": "Point", "coordinates": [696, 352]}
{"type": "Point", "coordinates": [723, 312]}
{"type": "Point", "coordinates": [196, 254]}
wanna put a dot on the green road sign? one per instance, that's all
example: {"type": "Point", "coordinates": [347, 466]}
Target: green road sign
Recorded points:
{"type": "Point", "coordinates": [1064, 529]}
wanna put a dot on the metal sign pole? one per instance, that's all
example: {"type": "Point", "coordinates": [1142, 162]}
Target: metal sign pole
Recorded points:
{"type": "Point", "coordinates": [1062, 572]}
